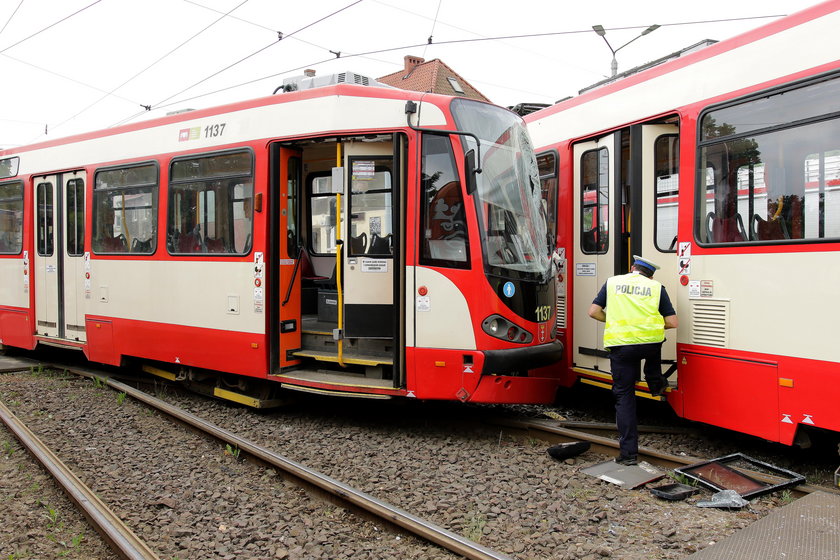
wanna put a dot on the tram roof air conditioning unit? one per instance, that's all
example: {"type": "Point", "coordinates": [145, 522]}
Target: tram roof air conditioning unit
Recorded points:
{"type": "Point", "coordinates": [310, 82]}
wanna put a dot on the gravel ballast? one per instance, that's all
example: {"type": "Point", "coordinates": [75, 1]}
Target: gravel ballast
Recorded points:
{"type": "Point", "coordinates": [189, 497]}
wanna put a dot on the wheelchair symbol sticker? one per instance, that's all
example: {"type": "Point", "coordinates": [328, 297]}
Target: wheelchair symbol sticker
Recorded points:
{"type": "Point", "coordinates": [509, 289]}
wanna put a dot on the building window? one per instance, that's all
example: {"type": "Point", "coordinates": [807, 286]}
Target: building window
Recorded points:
{"type": "Point", "coordinates": [455, 85]}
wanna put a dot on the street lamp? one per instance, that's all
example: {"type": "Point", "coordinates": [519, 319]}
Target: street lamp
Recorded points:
{"type": "Point", "coordinates": [599, 29]}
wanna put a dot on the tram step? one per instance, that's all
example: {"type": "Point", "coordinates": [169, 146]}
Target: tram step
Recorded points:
{"type": "Point", "coordinates": [355, 359]}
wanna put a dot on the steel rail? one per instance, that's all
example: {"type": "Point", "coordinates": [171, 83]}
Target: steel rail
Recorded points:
{"type": "Point", "coordinates": [392, 514]}
{"type": "Point", "coordinates": [608, 446]}
{"type": "Point", "coordinates": [125, 543]}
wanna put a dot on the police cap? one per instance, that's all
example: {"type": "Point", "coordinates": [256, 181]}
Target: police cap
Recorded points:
{"type": "Point", "coordinates": [639, 261]}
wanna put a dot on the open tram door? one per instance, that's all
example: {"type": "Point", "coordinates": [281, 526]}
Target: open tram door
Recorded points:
{"type": "Point", "coordinates": [341, 271]}
{"type": "Point", "coordinates": [625, 204]}
{"type": "Point", "coordinates": [59, 257]}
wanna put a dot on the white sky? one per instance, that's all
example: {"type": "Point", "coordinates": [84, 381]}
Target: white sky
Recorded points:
{"type": "Point", "coordinates": [60, 78]}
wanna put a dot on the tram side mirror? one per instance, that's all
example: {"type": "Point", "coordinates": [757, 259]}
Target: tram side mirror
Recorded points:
{"type": "Point", "coordinates": [469, 168]}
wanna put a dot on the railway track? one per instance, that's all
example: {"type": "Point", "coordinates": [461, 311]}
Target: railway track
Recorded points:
{"type": "Point", "coordinates": [554, 431]}
{"type": "Point", "coordinates": [129, 546]}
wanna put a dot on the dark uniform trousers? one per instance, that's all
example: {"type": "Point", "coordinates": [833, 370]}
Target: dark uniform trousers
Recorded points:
{"type": "Point", "coordinates": [626, 366]}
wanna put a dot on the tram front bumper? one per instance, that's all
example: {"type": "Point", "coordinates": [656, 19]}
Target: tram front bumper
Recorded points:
{"type": "Point", "coordinates": [513, 360]}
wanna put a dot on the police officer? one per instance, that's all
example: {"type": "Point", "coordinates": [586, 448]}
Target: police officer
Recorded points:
{"type": "Point", "coordinates": [637, 310]}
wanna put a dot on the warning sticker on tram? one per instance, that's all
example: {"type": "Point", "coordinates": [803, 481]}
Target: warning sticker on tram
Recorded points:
{"type": "Point", "coordinates": [374, 265]}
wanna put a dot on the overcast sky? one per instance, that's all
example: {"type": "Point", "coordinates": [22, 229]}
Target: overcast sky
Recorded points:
{"type": "Point", "coordinates": [76, 65]}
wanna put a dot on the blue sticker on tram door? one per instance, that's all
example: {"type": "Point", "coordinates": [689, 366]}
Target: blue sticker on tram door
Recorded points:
{"type": "Point", "coordinates": [509, 289]}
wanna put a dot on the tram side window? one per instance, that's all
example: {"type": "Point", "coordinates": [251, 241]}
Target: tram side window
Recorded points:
{"type": "Point", "coordinates": [547, 165]}
{"type": "Point", "coordinates": [777, 182]}
{"type": "Point", "coordinates": [125, 209]}
{"type": "Point", "coordinates": [75, 203]}
{"type": "Point", "coordinates": [211, 204]}
{"type": "Point", "coordinates": [11, 218]}
{"type": "Point", "coordinates": [666, 151]}
{"type": "Point", "coordinates": [322, 213]}
{"type": "Point", "coordinates": [371, 227]}
{"type": "Point", "coordinates": [444, 239]}
{"type": "Point", "coordinates": [46, 232]}
{"type": "Point", "coordinates": [595, 196]}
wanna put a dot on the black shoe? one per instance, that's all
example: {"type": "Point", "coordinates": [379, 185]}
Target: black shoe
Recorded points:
{"type": "Point", "coordinates": [568, 450]}
{"type": "Point", "coordinates": [626, 460]}
{"type": "Point", "coordinates": [657, 387]}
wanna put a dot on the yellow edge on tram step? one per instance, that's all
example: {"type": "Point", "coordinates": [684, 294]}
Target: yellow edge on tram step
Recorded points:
{"type": "Point", "coordinates": [606, 376]}
{"type": "Point", "coordinates": [329, 357]}
{"type": "Point", "coordinates": [160, 372]}
{"type": "Point", "coordinates": [306, 389]}
{"type": "Point", "coordinates": [245, 399]}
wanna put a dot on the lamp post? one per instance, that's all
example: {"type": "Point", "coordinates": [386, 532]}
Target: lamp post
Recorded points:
{"type": "Point", "coordinates": [599, 29]}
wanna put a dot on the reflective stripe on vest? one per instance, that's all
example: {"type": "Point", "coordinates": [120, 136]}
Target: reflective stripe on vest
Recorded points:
{"type": "Point", "coordinates": [633, 311]}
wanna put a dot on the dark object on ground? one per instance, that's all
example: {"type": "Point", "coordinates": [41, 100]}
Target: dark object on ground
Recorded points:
{"type": "Point", "coordinates": [568, 450]}
{"type": "Point", "coordinates": [674, 491]}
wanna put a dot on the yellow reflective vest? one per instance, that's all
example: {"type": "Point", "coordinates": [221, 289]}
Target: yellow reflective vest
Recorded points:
{"type": "Point", "coordinates": [633, 311]}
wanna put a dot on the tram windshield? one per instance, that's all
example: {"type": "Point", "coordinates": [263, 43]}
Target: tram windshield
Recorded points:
{"type": "Point", "coordinates": [509, 200]}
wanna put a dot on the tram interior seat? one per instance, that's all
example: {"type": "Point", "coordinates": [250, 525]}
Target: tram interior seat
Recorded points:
{"type": "Point", "coordinates": [312, 284]}
{"type": "Point", "coordinates": [138, 246]}
{"type": "Point", "coordinates": [215, 245]}
{"type": "Point", "coordinates": [116, 244]}
{"type": "Point", "coordinates": [189, 243]}
{"type": "Point", "coordinates": [729, 229]}
{"type": "Point", "coordinates": [380, 245]}
{"type": "Point", "coordinates": [358, 244]}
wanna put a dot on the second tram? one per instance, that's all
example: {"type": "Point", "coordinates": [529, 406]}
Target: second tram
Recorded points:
{"type": "Point", "coordinates": [723, 166]}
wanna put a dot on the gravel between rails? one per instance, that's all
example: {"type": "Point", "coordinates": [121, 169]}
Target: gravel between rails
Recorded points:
{"type": "Point", "coordinates": [188, 499]}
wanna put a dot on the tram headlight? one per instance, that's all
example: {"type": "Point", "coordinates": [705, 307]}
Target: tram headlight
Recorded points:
{"type": "Point", "coordinates": [499, 327]}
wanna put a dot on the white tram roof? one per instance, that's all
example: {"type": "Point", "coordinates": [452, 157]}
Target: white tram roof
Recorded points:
{"type": "Point", "coordinates": [336, 109]}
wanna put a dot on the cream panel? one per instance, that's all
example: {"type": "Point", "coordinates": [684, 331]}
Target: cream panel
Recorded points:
{"type": "Point", "coordinates": [12, 292]}
{"type": "Point", "coordinates": [191, 293]}
{"type": "Point", "coordinates": [310, 116]}
{"type": "Point", "coordinates": [757, 62]}
{"type": "Point", "coordinates": [447, 322]}
{"type": "Point", "coordinates": [780, 304]}
{"type": "Point", "coordinates": [410, 295]}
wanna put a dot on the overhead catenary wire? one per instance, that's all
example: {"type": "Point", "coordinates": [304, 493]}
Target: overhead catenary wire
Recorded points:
{"type": "Point", "coordinates": [10, 17]}
{"type": "Point", "coordinates": [163, 104]}
{"type": "Point", "coordinates": [50, 26]}
{"type": "Point", "coordinates": [241, 60]}
{"type": "Point", "coordinates": [147, 107]}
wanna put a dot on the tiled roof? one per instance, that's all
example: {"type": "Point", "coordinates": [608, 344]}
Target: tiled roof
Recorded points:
{"type": "Point", "coordinates": [432, 76]}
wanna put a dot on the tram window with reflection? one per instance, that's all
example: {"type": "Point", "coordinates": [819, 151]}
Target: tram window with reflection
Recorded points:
{"type": "Point", "coordinates": [595, 198]}
{"type": "Point", "coordinates": [125, 210]}
{"type": "Point", "coordinates": [211, 204]}
{"type": "Point", "coordinates": [11, 218]}
{"type": "Point", "coordinates": [777, 175]}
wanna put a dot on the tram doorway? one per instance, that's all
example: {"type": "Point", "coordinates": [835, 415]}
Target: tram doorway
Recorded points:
{"type": "Point", "coordinates": [59, 259]}
{"type": "Point", "coordinates": [625, 204]}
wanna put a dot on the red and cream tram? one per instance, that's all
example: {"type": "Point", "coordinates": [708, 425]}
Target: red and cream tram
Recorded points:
{"type": "Point", "coordinates": [345, 239]}
{"type": "Point", "coordinates": [722, 165]}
